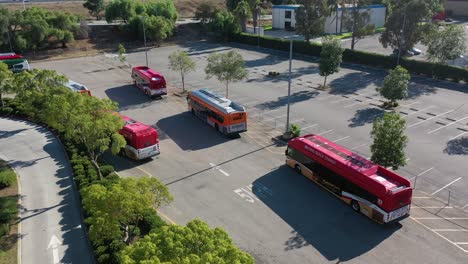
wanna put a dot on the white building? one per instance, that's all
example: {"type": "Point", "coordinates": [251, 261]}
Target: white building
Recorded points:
{"type": "Point", "coordinates": [284, 17]}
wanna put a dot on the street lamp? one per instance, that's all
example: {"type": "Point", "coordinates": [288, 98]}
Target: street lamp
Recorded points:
{"type": "Point", "coordinates": [144, 39]}
{"type": "Point", "coordinates": [291, 38]}
{"type": "Point", "coordinates": [402, 36]}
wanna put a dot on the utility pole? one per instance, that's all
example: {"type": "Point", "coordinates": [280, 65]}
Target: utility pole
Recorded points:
{"type": "Point", "coordinates": [144, 39]}
{"type": "Point", "coordinates": [9, 39]}
{"type": "Point", "coordinates": [289, 79]}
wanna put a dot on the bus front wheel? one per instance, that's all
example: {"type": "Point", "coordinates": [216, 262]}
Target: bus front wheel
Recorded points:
{"type": "Point", "coordinates": [355, 206]}
{"type": "Point", "coordinates": [297, 168]}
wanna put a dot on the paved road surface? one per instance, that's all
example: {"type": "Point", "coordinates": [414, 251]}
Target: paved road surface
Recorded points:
{"type": "Point", "coordinates": [51, 229]}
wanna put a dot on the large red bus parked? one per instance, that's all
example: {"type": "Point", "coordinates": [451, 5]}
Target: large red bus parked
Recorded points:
{"type": "Point", "coordinates": [152, 83]}
{"type": "Point", "coordinates": [142, 140]}
{"type": "Point", "coordinates": [378, 193]}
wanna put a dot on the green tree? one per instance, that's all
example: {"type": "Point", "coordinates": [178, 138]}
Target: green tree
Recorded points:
{"type": "Point", "coordinates": [195, 243]}
{"type": "Point", "coordinates": [446, 43]}
{"type": "Point", "coordinates": [310, 18]}
{"type": "Point", "coordinates": [227, 67]}
{"type": "Point", "coordinates": [96, 129]}
{"type": "Point", "coordinates": [117, 210]}
{"type": "Point", "coordinates": [403, 27]}
{"type": "Point", "coordinates": [330, 57]}
{"type": "Point", "coordinates": [122, 51]}
{"type": "Point", "coordinates": [120, 9]}
{"type": "Point", "coordinates": [255, 10]}
{"type": "Point", "coordinates": [164, 8]}
{"type": "Point", "coordinates": [181, 62]}
{"type": "Point", "coordinates": [6, 81]}
{"type": "Point", "coordinates": [95, 8]}
{"type": "Point", "coordinates": [232, 4]}
{"type": "Point", "coordinates": [388, 147]}
{"type": "Point", "coordinates": [242, 12]}
{"type": "Point", "coordinates": [395, 85]}
{"type": "Point", "coordinates": [205, 12]}
{"type": "Point", "coordinates": [225, 24]}
{"type": "Point", "coordinates": [357, 22]}
{"type": "Point", "coordinates": [158, 28]}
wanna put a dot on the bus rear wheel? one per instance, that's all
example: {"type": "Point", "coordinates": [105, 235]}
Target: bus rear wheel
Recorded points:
{"type": "Point", "coordinates": [355, 206]}
{"type": "Point", "coordinates": [297, 168]}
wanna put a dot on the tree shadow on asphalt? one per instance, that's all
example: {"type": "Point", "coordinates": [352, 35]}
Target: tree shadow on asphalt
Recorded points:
{"type": "Point", "coordinates": [6, 134]}
{"type": "Point", "coordinates": [416, 89]}
{"type": "Point", "coordinates": [267, 60]}
{"type": "Point", "coordinates": [458, 146]}
{"type": "Point", "coordinates": [353, 82]}
{"type": "Point", "coordinates": [365, 116]}
{"type": "Point", "coordinates": [189, 132]}
{"type": "Point", "coordinates": [283, 100]}
{"type": "Point", "coordinates": [296, 75]}
{"type": "Point", "coordinates": [24, 164]}
{"type": "Point", "coordinates": [128, 97]}
{"type": "Point", "coordinates": [318, 219]}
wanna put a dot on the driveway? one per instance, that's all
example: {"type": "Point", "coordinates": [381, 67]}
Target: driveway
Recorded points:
{"type": "Point", "coordinates": [50, 221]}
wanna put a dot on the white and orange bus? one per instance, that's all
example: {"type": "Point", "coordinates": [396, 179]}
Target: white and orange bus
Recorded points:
{"type": "Point", "coordinates": [77, 87]}
{"type": "Point", "coordinates": [223, 114]}
{"type": "Point", "coordinates": [378, 193]}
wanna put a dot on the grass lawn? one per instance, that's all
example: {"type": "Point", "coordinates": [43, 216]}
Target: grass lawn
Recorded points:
{"type": "Point", "coordinates": [8, 216]}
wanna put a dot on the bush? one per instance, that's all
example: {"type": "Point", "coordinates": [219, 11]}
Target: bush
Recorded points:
{"type": "Point", "coordinates": [151, 220]}
{"type": "Point", "coordinates": [7, 177]}
{"type": "Point", "coordinates": [6, 110]}
{"type": "Point", "coordinates": [429, 69]}
{"type": "Point", "coordinates": [295, 130]}
{"type": "Point", "coordinates": [4, 229]}
{"type": "Point", "coordinates": [106, 170]}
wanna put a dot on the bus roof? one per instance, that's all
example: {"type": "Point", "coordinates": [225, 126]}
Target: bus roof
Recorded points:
{"type": "Point", "coordinates": [147, 72]}
{"type": "Point", "coordinates": [352, 166]}
{"type": "Point", "coordinates": [223, 104]}
{"type": "Point", "coordinates": [135, 126]}
{"type": "Point", "coordinates": [7, 56]}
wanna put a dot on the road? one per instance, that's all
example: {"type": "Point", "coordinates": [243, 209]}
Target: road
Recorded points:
{"type": "Point", "coordinates": [243, 186]}
{"type": "Point", "coordinates": [50, 222]}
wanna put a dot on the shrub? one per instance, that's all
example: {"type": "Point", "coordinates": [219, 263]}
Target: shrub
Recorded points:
{"type": "Point", "coordinates": [4, 229]}
{"type": "Point", "coordinates": [7, 177]}
{"type": "Point", "coordinates": [151, 220]}
{"type": "Point", "coordinates": [106, 170]}
{"type": "Point", "coordinates": [6, 110]}
{"type": "Point", "coordinates": [295, 130]}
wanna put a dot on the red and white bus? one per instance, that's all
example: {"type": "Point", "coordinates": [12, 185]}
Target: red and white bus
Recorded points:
{"type": "Point", "coordinates": [378, 193]}
{"type": "Point", "coordinates": [151, 82]}
{"type": "Point", "coordinates": [221, 113]}
{"type": "Point", "coordinates": [142, 140]}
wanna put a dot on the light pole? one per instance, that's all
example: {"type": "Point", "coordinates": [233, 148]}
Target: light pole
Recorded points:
{"type": "Point", "coordinates": [291, 38]}
{"type": "Point", "coordinates": [9, 39]}
{"type": "Point", "coordinates": [258, 26]}
{"type": "Point", "coordinates": [144, 39]}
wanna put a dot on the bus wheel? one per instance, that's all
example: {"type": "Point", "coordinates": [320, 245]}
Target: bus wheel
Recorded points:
{"type": "Point", "coordinates": [355, 206]}
{"type": "Point", "coordinates": [122, 152]}
{"type": "Point", "coordinates": [217, 127]}
{"type": "Point", "coordinates": [298, 168]}
{"type": "Point", "coordinates": [193, 111]}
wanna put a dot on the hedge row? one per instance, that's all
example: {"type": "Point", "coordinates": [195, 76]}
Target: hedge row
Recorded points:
{"type": "Point", "coordinates": [433, 70]}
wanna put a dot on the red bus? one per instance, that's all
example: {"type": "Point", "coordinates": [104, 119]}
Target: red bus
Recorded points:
{"type": "Point", "coordinates": [142, 140]}
{"type": "Point", "coordinates": [221, 113]}
{"type": "Point", "coordinates": [15, 62]}
{"type": "Point", "coordinates": [151, 82]}
{"type": "Point", "coordinates": [378, 193]}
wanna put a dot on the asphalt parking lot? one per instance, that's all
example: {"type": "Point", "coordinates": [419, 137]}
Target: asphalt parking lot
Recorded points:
{"type": "Point", "coordinates": [242, 184]}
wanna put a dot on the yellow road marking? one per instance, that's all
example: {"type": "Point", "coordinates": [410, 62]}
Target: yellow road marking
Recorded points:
{"type": "Point", "coordinates": [166, 217]}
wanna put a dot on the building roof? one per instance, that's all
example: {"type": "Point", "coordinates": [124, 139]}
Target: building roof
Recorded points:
{"type": "Point", "coordinates": [293, 7]}
{"type": "Point", "coordinates": [222, 104]}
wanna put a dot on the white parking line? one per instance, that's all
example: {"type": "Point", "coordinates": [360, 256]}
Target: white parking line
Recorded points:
{"type": "Point", "coordinates": [450, 183]}
{"type": "Point", "coordinates": [417, 102]}
{"type": "Point", "coordinates": [426, 171]}
{"type": "Point", "coordinates": [446, 239]}
{"type": "Point", "coordinates": [307, 127]}
{"type": "Point", "coordinates": [325, 132]}
{"type": "Point", "coordinates": [466, 205]}
{"type": "Point", "coordinates": [417, 112]}
{"type": "Point", "coordinates": [457, 136]}
{"type": "Point", "coordinates": [270, 111]}
{"type": "Point", "coordinates": [432, 207]}
{"type": "Point", "coordinates": [269, 119]}
{"type": "Point", "coordinates": [220, 170]}
{"type": "Point", "coordinates": [450, 230]}
{"type": "Point", "coordinates": [343, 138]}
{"type": "Point", "coordinates": [251, 102]}
{"type": "Point", "coordinates": [461, 243]}
{"type": "Point", "coordinates": [362, 145]}
{"type": "Point", "coordinates": [449, 124]}
{"type": "Point", "coordinates": [417, 123]}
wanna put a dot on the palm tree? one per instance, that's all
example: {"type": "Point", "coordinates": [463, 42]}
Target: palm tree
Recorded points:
{"type": "Point", "coordinates": [242, 11]}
